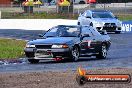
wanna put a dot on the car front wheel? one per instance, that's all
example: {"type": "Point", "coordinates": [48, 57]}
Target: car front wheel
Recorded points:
{"type": "Point", "coordinates": [103, 53]}
{"type": "Point", "coordinates": [75, 53]}
{"type": "Point", "coordinates": [33, 61]}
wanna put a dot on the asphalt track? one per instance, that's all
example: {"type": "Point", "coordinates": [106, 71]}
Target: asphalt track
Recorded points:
{"type": "Point", "coordinates": [119, 55]}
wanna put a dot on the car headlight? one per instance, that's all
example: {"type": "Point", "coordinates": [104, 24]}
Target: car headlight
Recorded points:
{"type": "Point", "coordinates": [119, 24]}
{"type": "Point", "coordinates": [60, 46]}
{"type": "Point", "coordinates": [30, 46]}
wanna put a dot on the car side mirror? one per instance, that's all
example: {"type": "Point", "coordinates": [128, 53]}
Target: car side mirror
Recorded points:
{"type": "Point", "coordinates": [116, 17]}
{"type": "Point", "coordinates": [40, 35]}
{"type": "Point", "coordinates": [88, 17]}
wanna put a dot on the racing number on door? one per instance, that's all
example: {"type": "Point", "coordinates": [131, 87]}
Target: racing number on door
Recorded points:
{"type": "Point", "coordinates": [88, 43]}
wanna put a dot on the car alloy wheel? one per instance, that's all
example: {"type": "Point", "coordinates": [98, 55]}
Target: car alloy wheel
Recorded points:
{"type": "Point", "coordinates": [103, 53]}
{"type": "Point", "coordinates": [75, 54]}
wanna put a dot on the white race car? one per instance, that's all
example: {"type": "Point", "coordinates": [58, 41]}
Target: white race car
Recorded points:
{"type": "Point", "coordinates": [101, 20]}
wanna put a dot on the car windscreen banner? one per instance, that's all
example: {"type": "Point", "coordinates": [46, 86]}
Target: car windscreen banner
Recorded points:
{"type": "Point", "coordinates": [127, 26]}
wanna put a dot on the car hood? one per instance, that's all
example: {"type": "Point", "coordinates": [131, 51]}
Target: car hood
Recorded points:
{"type": "Point", "coordinates": [106, 20]}
{"type": "Point", "coordinates": [52, 40]}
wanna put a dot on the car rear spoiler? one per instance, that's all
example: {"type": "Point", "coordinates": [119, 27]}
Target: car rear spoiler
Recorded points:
{"type": "Point", "coordinates": [103, 32]}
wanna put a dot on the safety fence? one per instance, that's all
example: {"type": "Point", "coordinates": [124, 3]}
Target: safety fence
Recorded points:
{"type": "Point", "coordinates": [117, 8]}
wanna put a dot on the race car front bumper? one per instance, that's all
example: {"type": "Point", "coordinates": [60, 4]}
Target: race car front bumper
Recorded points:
{"type": "Point", "coordinates": [45, 54]}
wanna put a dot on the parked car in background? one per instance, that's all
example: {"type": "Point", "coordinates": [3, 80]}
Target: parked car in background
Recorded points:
{"type": "Point", "coordinates": [64, 42]}
{"type": "Point", "coordinates": [53, 2]}
{"type": "Point", "coordinates": [84, 1]}
{"type": "Point", "coordinates": [101, 20]}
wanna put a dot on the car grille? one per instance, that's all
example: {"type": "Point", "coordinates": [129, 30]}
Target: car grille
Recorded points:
{"type": "Point", "coordinates": [110, 24]}
{"type": "Point", "coordinates": [43, 46]}
{"type": "Point", "coordinates": [109, 28]}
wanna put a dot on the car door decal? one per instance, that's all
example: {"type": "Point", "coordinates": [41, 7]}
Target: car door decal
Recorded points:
{"type": "Point", "coordinates": [88, 43]}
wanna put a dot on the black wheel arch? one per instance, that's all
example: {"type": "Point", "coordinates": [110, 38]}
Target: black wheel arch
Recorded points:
{"type": "Point", "coordinates": [76, 45]}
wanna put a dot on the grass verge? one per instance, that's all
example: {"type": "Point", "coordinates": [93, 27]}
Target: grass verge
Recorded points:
{"type": "Point", "coordinates": [42, 15]}
{"type": "Point", "coordinates": [124, 17]}
{"type": "Point", "coordinates": [11, 48]}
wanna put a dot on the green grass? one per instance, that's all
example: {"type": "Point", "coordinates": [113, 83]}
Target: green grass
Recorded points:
{"type": "Point", "coordinates": [125, 17]}
{"type": "Point", "coordinates": [44, 15]}
{"type": "Point", "coordinates": [11, 48]}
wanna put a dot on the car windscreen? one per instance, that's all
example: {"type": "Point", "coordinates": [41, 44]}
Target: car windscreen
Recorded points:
{"type": "Point", "coordinates": [94, 31]}
{"type": "Point", "coordinates": [63, 32]}
{"type": "Point", "coordinates": [102, 15]}
{"type": "Point", "coordinates": [51, 33]}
